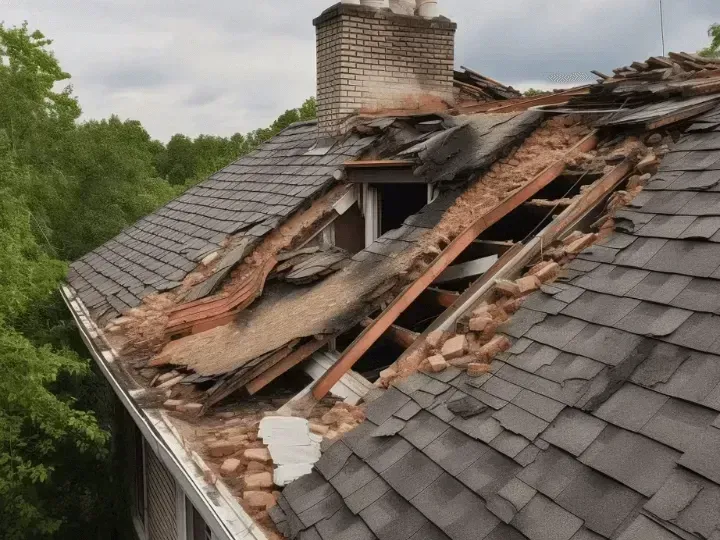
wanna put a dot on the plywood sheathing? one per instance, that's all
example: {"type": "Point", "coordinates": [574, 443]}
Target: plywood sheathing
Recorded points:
{"type": "Point", "coordinates": [148, 327]}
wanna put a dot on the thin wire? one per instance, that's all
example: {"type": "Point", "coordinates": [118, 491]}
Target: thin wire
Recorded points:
{"type": "Point", "coordinates": [550, 212]}
{"type": "Point", "coordinates": [662, 27]}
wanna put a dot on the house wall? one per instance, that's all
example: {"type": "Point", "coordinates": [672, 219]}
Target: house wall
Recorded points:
{"type": "Point", "coordinates": [156, 507]}
{"type": "Point", "coordinates": [373, 59]}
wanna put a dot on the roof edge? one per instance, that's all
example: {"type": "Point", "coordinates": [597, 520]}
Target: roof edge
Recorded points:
{"type": "Point", "coordinates": [227, 519]}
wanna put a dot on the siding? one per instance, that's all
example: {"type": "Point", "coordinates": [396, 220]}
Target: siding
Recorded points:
{"type": "Point", "coordinates": [162, 524]}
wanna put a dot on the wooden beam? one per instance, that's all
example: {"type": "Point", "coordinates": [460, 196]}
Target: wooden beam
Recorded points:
{"type": "Point", "coordinates": [290, 361]}
{"type": "Point", "coordinates": [365, 340]}
{"type": "Point", "coordinates": [401, 336]}
{"type": "Point", "coordinates": [443, 298]}
{"type": "Point", "coordinates": [519, 256]}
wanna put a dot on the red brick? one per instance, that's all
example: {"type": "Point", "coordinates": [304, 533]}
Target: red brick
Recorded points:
{"type": "Point", "coordinates": [258, 480]}
{"type": "Point", "coordinates": [437, 363]}
{"type": "Point", "coordinates": [229, 466]}
{"type": "Point", "coordinates": [454, 347]}
{"type": "Point", "coordinates": [259, 499]}
{"type": "Point", "coordinates": [476, 369]}
{"type": "Point", "coordinates": [258, 454]}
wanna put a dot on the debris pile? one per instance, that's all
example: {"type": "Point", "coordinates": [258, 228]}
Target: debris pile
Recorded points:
{"type": "Point", "coordinates": [480, 87]}
{"type": "Point", "coordinates": [309, 264]}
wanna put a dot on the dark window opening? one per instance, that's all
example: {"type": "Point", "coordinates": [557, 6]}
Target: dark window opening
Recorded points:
{"type": "Point", "coordinates": [350, 230]}
{"type": "Point", "coordinates": [398, 202]}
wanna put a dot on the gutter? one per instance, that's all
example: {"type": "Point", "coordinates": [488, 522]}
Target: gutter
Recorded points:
{"type": "Point", "coordinates": [215, 503]}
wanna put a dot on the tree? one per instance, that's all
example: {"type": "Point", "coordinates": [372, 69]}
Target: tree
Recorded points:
{"type": "Point", "coordinates": [533, 92]}
{"type": "Point", "coordinates": [712, 50]}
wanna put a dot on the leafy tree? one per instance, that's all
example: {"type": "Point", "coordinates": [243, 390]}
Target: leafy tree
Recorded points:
{"type": "Point", "coordinates": [533, 92]}
{"type": "Point", "coordinates": [712, 50]}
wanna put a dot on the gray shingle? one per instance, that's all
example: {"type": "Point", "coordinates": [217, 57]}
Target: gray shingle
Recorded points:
{"type": "Point", "coordinates": [556, 331]}
{"type": "Point", "coordinates": [551, 472]}
{"type": "Point", "coordinates": [653, 320]}
{"type": "Point", "coordinates": [631, 407]}
{"type": "Point", "coordinates": [519, 421]}
{"type": "Point", "coordinates": [533, 357]}
{"type": "Point", "coordinates": [603, 504]}
{"type": "Point", "coordinates": [486, 475]}
{"type": "Point", "coordinates": [678, 423]}
{"type": "Point", "coordinates": [509, 444]}
{"type": "Point", "coordinates": [703, 455]}
{"type": "Point", "coordinates": [540, 406]}
{"type": "Point", "coordinates": [645, 529]}
{"type": "Point", "coordinates": [542, 519]}
{"type": "Point", "coordinates": [382, 409]}
{"type": "Point", "coordinates": [412, 473]}
{"type": "Point", "coordinates": [461, 510]}
{"type": "Point", "coordinates": [454, 451]}
{"type": "Point", "coordinates": [600, 308]}
{"type": "Point", "coordinates": [634, 460]}
{"type": "Point", "coordinates": [611, 279]}
{"type": "Point", "coordinates": [423, 429]}
{"type": "Point", "coordinates": [391, 517]}
{"type": "Point", "coordinates": [659, 287]}
{"type": "Point", "coordinates": [675, 495]}
{"type": "Point", "coordinates": [573, 431]}
{"type": "Point", "coordinates": [344, 525]}
{"type": "Point", "coordinates": [603, 344]}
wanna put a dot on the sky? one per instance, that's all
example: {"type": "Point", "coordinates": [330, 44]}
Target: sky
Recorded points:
{"type": "Point", "coordinates": [226, 66]}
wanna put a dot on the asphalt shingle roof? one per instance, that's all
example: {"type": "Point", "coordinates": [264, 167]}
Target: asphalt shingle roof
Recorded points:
{"type": "Point", "coordinates": [602, 420]}
{"type": "Point", "coordinates": [252, 195]}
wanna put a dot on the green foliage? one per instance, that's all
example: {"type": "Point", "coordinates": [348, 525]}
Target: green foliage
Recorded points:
{"type": "Point", "coordinates": [712, 50]}
{"type": "Point", "coordinates": [533, 92]}
{"type": "Point", "coordinates": [65, 188]}
{"type": "Point", "coordinates": [186, 161]}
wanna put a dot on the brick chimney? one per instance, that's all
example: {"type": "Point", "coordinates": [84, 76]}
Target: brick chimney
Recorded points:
{"type": "Point", "coordinates": [371, 59]}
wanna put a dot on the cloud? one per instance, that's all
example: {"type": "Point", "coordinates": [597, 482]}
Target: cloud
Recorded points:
{"type": "Point", "coordinates": [225, 66]}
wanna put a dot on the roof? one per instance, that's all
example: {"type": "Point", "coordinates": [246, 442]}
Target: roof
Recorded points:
{"type": "Point", "coordinates": [252, 195]}
{"type": "Point", "coordinates": [601, 421]}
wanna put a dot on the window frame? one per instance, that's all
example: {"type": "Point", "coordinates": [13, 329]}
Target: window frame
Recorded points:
{"type": "Point", "coordinates": [139, 451]}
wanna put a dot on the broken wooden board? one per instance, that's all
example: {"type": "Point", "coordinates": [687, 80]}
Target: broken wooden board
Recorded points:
{"type": "Point", "coordinates": [466, 270]}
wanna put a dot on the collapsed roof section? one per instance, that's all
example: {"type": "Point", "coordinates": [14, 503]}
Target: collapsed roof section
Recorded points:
{"type": "Point", "coordinates": [601, 419]}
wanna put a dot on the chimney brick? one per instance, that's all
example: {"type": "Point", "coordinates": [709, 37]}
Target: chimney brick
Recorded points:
{"type": "Point", "coordinates": [399, 62]}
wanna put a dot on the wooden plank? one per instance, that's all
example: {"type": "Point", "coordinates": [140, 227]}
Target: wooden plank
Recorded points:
{"type": "Point", "coordinates": [382, 175]}
{"type": "Point", "coordinates": [401, 336]}
{"type": "Point", "coordinates": [519, 256]}
{"type": "Point", "coordinates": [290, 361]}
{"type": "Point", "coordinates": [365, 340]}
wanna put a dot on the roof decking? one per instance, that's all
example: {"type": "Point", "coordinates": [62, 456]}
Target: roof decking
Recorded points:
{"type": "Point", "coordinates": [602, 420]}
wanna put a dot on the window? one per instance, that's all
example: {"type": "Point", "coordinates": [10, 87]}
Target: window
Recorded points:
{"type": "Point", "coordinates": [139, 486]}
{"type": "Point", "coordinates": [197, 529]}
{"type": "Point", "coordinates": [387, 205]}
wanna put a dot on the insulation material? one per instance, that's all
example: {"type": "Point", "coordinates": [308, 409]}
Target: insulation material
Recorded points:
{"type": "Point", "coordinates": [294, 449]}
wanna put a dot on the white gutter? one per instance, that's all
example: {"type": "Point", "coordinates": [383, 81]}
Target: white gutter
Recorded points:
{"type": "Point", "coordinates": [215, 503]}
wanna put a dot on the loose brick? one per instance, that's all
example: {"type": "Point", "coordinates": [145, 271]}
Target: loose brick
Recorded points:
{"type": "Point", "coordinates": [319, 429]}
{"type": "Point", "coordinates": [581, 243]}
{"type": "Point", "coordinates": [173, 404]}
{"type": "Point", "coordinates": [528, 284]}
{"type": "Point", "coordinates": [261, 480]}
{"type": "Point", "coordinates": [509, 288]}
{"type": "Point", "coordinates": [437, 363]}
{"type": "Point", "coordinates": [259, 500]}
{"type": "Point", "coordinates": [478, 324]}
{"type": "Point", "coordinates": [258, 454]}
{"type": "Point", "coordinates": [255, 467]}
{"type": "Point", "coordinates": [224, 448]}
{"type": "Point", "coordinates": [454, 347]}
{"type": "Point", "coordinates": [548, 272]}
{"type": "Point", "coordinates": [476, 369]}
{"type": "Point", "coordinates": [463, 361]}
{"type": "Point", "coordinates": [229, 466]}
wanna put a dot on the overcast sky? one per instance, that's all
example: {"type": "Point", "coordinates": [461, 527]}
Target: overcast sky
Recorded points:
{"type": "Point", "coordinates": [222, 66]}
